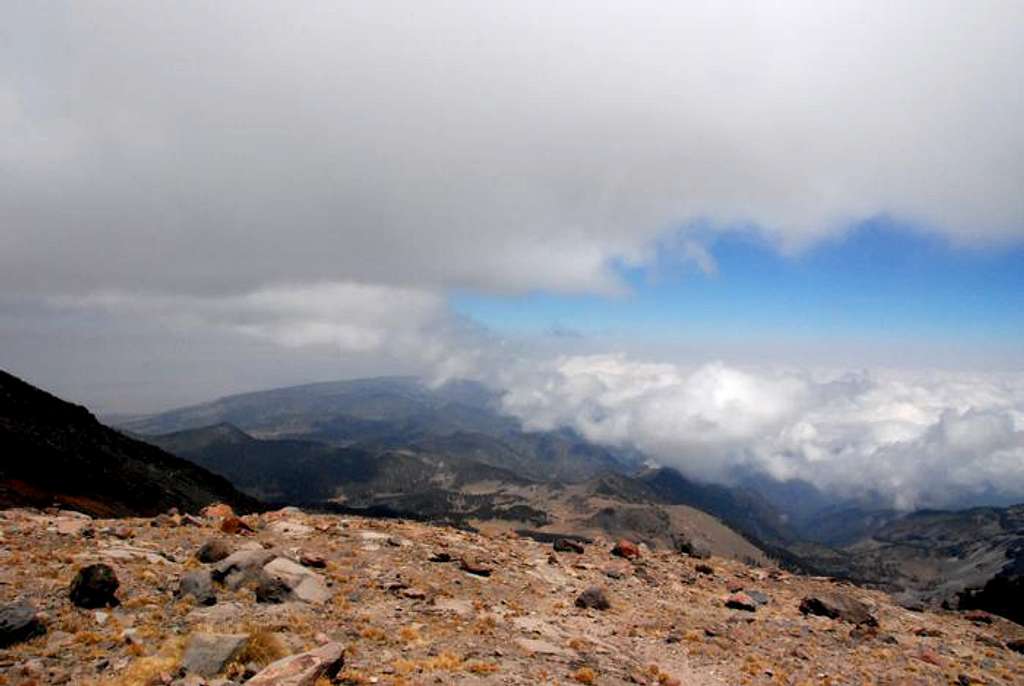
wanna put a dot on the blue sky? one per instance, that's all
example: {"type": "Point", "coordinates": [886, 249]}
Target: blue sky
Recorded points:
{"type": "Point", "coordinates": [882, 281]}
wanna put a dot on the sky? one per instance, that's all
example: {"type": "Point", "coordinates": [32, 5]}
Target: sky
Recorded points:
{"type": "Point", "coordinates": [787, 237]}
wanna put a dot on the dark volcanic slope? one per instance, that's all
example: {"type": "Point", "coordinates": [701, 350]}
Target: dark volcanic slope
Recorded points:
{"type": "Point", "coordinates": [55, 451]}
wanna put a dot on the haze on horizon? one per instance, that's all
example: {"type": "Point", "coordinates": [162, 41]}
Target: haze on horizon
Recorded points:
{"type": "Point", "coordinates": [780, 238]}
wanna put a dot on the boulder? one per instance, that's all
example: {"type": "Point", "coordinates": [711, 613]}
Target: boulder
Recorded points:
{"type": "Point", "coordinates": [241, 567]}
{"type": "Point", "coordinates": [209, 654]}
{"type": "Point", "coordinates": [199, 585]}
{"type": "Point", "coordinates": [303, 669]}
{"type": "Point", "coordinates": [305, 585]}
{"type": "Point", "coordinates": [593, 598]}
{"type": "Point", "coordinates": [19, 622]}
{"type": "Point", "coordinates": [838, 606]}
{"type": "Point", "coordinates": [94, 586]}
{"type": "Point", "coordinates": [627, 549]}
{"type": "Point", "coordinates": [272, 590]}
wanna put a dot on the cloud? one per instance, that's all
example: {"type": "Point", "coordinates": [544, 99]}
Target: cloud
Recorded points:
{"type": "Point", "coordinates": [224, 148]}
{"type": "Point", "coordinates": [916, 439]}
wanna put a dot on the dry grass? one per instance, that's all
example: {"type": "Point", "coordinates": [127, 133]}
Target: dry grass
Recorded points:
{"type": "Point", "coordinates": [263, 648]}
{"type": "Point", "coordinates": [145, 670]}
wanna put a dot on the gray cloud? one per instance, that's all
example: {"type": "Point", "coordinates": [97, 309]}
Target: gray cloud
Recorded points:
{"type": "Point", "coordinates": [220, 148]}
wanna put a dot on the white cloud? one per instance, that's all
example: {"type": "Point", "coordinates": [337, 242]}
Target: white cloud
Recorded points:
{"type": "Point", "coordinates": [219, 148]}
{"type": "Point", "coordinates": [917, 439]}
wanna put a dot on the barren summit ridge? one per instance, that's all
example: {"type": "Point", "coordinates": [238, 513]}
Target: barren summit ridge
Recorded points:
{"type": "Point", "coordinates": [399, 602]}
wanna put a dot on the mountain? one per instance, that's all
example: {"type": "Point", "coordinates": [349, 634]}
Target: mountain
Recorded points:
{"type": "Point", "coordinates": [455, 486]}
{"type": "Point", "coordinates": [460, 419]}
{"type": "Point", "coordinates": [57, 452]}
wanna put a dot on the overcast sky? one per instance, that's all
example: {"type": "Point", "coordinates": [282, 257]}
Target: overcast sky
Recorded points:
{"type": "Point", "coordinates": [204, 198]}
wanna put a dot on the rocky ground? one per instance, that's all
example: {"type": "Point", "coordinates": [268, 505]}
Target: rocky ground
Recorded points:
{"type": "Point", "coordinates": [291, 598]}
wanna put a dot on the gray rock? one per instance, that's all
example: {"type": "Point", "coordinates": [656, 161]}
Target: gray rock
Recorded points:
{"type": "Point", "coordinates": [305, 585]}
{"type": "Point", "coordinates": [241, 567]}
{"type": "Point", "coordinates": [594, 597]}
{"type": "Point", "coordinates": [208, 654]}
{"type": "Point", "coordinates": [302, 669]}
{"type": "Point", "coordinates": [838, 606]}
{"type": "Point", "coordinates": [272, 590]}
{"type": "Point", "coordinates": [19, 622]}
{"type": "Point", "coordinates": [199, 585]}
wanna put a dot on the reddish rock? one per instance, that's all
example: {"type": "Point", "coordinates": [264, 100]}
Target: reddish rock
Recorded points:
{"type": "Point", "coordinates": [474, 567]}
{"type": "Point", "coordinates": [313, 560]}
{"type": "Point", "coordinates": [931, 657]}
{"type": "Point", "coordinates": [217, 511]}
{"type": "Point", "coordinates": [741, 601]}
{"type": "Point", "coordinates": [303, 669]}
{"type": "Point", "coordinates": [627, 549]}
{"type": "Point", "coordinates": [234, 525]}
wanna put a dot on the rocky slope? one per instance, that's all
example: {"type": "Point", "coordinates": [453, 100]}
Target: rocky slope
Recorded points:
{"type": "Point", "coordinates": [223, 600]}
{"type": "Point", "coordinates": [52, 451]}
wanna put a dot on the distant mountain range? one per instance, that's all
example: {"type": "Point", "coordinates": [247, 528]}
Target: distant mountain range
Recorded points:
{"type": "Point", "coordinates": [54, 452]}
{"type": "Point", "coordinates": [396, 447]}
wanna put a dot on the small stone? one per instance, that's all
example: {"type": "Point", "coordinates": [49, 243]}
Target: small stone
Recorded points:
{"type": "Point", "coordinates": [19, 622]}
{"type": "Point", "coordinates": [627, 549]}
{"type": "Point", "coordinates": [234, 525]}
{"type": "Point", "coordinates": [474, 567]}
{"type": "Point", "coordinates": [241, 567]}
{"type": "Point", "coordinates": [741, 601]}
{"type": "Point", "coordinates": [931, 657]}
{"type": "Point", "coordinates": [312, 560]}
{"type": "Point", "coordinates": [1016, 645]}
{"type": "Point", "coordinates": [209, 654]}
{"type": "Point", "coordinates": [567, 545]}
{"type": "Point", "coordinates": [594, 597]}
{"type": "Point", "coordinates": [272, 590]}
{"type": "Point", "coordinates": [217, 511]}
{"type": "Point", "coordinates": [307, 586]}
{"type": "Point", "coordinates": [838, 606]}
{"type": "Point", "coordinates": [94, 586]}
{"type": "Point", "coordinates": [212, 551]}
{"type": "Point", "coordinates": [759, 598]}
{"type": "Point", "coordinates": [978, 617]}
{"type": "Point", "coordinates": [199, 585]}
{"type": "Point", "coordinates": [704, 569]}
{"type": "Point", "coordinates": [303, 669]}
{"type": "Point", "coordinates": [441, 557]}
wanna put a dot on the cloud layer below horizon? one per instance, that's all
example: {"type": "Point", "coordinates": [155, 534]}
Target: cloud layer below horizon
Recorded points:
{"type": "Point", "coordinates": [912, 439]}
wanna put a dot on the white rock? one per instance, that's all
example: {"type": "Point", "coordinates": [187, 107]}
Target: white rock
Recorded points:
{"type": "Point", "coordinates": [304, 584]}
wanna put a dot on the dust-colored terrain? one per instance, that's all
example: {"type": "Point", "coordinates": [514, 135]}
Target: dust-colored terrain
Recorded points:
{"type": "Point", "coordinates": [418, 604]}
